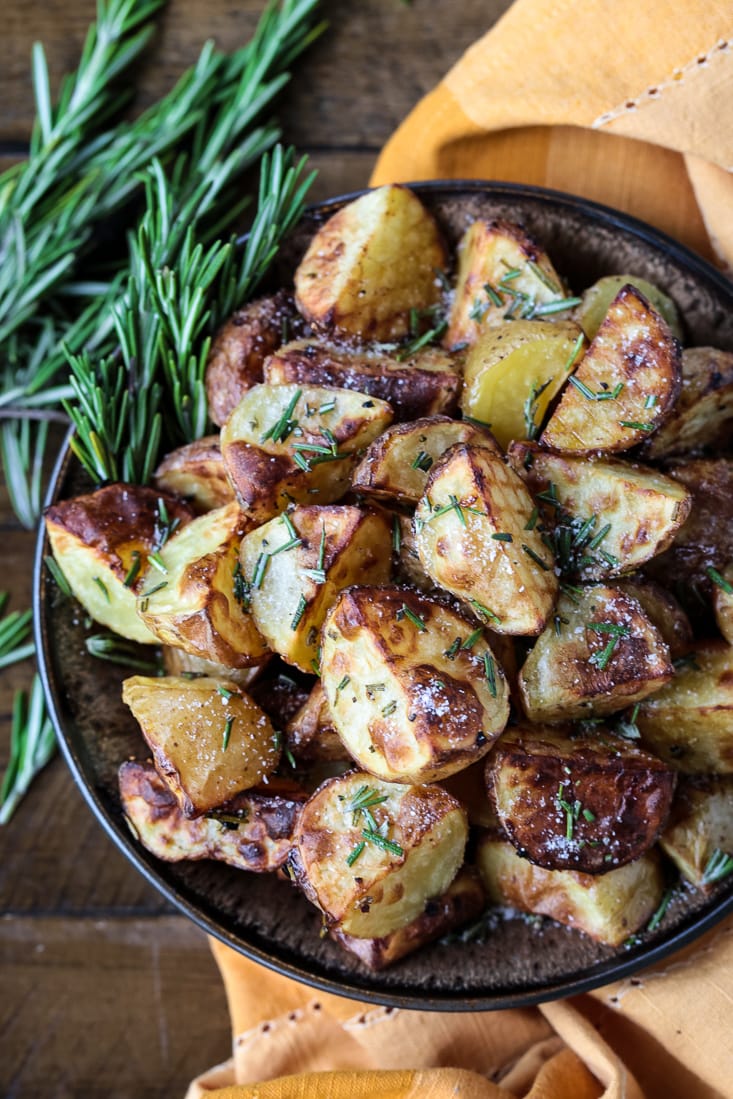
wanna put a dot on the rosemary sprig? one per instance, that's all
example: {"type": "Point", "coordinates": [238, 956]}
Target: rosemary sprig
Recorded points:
{"type": "Point", "coordinates": [32, 744]}
{"type": "Point", "coordinates": [108, 646]}
{"type": "Point", "coordinates": [718, 866]}
{"type": "Point", "coordinates": [15, 630]}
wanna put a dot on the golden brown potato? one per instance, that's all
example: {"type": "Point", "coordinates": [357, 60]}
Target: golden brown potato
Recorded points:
{"type": "Point", "coordinates": [424, 384]}
{"type": "Point", "coordinates": [210, 741]}
{"type": "Point", "coordinates": [241, 346]}
{"type": "Point", "coordinates": [194, 595]}
{"type": "Point", "coordinates": [288, 443]}
{"type": "Point", "coordinates": [475, 539]}
{"type": "Point", "coordinates": [599, 654]}
{"type": "Point", "coordinates": [608, 907]}
{"type": "Point", "coordinates": [371, 263]}
{"type": "Point", "coordinates": [413, 688]}
{"type": "Point", "coordinates": [703, 414]}
{"type": "Point", "coordinates": [311, 734]}
{"type": "Point", "coordinates": [370, 854]}
{"type": "Point", "coordinates": [101, 543]}
{"type": "Point", "coordinates": [614, 516]}
{"type": "Point", "coordinates": [723, 601]}
{"type": "Point", "coordinates": [625, 385]}
{"type": "Point", "coordinates": [179, 662]}
{"type": "Point", "coordinates": [255, 832]}
{"type": "Point", "coordinates": [296, 565]}
{"type": "Point", "coordinates": [699, 835]}
{"type": "Point", "coordinates": [663, 611]}
{"type": "Point", "coordinates": [514, 371]}
{"type": "Point", "coordinates": [463, 901]}
{"type": "Point", "coordinates": [578, 802]}
{"type": "Point", "coordinates": [690, 723]}
{"type": "Point", "coordinates": [597, 298]}
{"type": "Point", "coordinates": [502, 273]}
{"type": "Point", "coordinates": [196, 472]}
{"type": "Point", "coordinates": [395, 466]}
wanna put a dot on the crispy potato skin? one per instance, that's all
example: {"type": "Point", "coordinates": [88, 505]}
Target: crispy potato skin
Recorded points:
{"type": "Point", "coordinates": [463, 901]}
{"type": "Point", "coordinates": [690, 722]}
{"type": "Point", "coordinates": [381, 891]}
{"type": "Point", "coordinates": [311, 734]}
{"type": "Point", "coordinates": [178, 662]}
{"type": "Point", "coordinates": [578, 803]}
{"type": "Point", "coordinates": [184, 722]}
{"type": "Point", "coordinates": [196, 472]}
{"type": "Point", "coordinates": [703, 414]}
{"type": "Point", "coordinates": [425, 384]}
{"type": "Point", "coordinates": [597, 298]}
{"type": "Point", "coordinates": [634, 348]}
{"type": "Point", "coordinates": [395, 466]}
{"type": "Point", "coordinates": [608, 907]}
{"type": "Point", "coordinates": [644, 509]}
{"type": "Point", "coordinates": [663, 611]}
{"type": "Point", "coordinates": [96, 540]}
{"type": "Point", "coordinates": [240, 348]}
{"type": "Point", "coordinates": [460, 550]}
{"type": "Point", "coordinates": [406, 710]}
{"type": "Point", "coordinates": [701, 822]}
{"type": "Point", "coordinates": [371, 263]}
{"type": "Point", "coordinates": [561, 678]}
{"type": "Point", "coordinates": [261, 843]}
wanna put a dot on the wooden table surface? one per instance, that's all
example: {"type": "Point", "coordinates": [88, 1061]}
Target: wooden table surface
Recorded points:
{"type": "Point", "coordinates": [106, 990]}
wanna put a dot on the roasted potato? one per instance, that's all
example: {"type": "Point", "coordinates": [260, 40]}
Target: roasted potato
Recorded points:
{"type": "Point", "coordinates": [101, 543]}
{"type": "Point", "coordinates": [597, 298]}
{"type": "Point", "coordinates": [287, 443]}
{"type": "Point", "coordinates": [474, 535]}
{"type": "Point", "coordinates": [578, 802]}
{"type": "Point", "coordinates": [513, 372]}
{"type": "Point", "coordinates": [608, 907]}
{"type": "Point", "coordinates": [295, 566]}
{"type": "Point", "coordinates": [699, 835]}
{"type": "Point", "coordinates": [502, 273]}
{"type": "Point", "coordinates": [210, 740]}
{"type": "Point", "coordinates": [194, 597]}
{"type": "Point", "coordinates": [690, 723]}
{"type": "Point", "coordinates": [371, 854]}
{"type": "Point", "coordinates": [463, 901]}
{"type": "Point", "coordinates": [599, 654]}
{"type": "Point", "coordinates": [425, 383]}
{"type": "Point", "coordinates": [254, 832]}
{"type": "Point", "coordinates": [723, 601]}
{"type": "Point", "coordinates": [625, 385]}
{"type": "Point", "coordinates": [703, 414]}
{"type": "Point", "coordinates": [241, 346]}
{"type": "Point", "coordinates": [617, 515]}
{"type": "Point", "coordinates": [408, 566]}
{"type": "Point", "coordinates": [370, 264]}
{"type": "Point", "coordinates": [178, 662]}
{"type": "Point", "coordinates": [311, 734]}
{"type": "Point", "coordinates": [395, 466]}
{"type": "Point", "coordinates": [196, 472]}
{"type": "Point", "coordinates": [663, 611]}
{"type": "Point", "coordinates": [413, 688]}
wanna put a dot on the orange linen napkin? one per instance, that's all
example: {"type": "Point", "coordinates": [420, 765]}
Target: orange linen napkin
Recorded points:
{"type": "Point", "coordinates": [629, 102]}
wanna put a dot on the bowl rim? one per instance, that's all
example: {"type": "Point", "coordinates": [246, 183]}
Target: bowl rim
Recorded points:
{"type": "Point", "coordinates": [601, 973]}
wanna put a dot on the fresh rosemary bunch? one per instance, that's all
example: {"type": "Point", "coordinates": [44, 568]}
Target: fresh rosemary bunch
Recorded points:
{"type": "Point", "coordinates": [32, 744]}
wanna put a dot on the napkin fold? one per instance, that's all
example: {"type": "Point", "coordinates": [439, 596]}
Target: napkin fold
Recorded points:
{"type": "Point", "coordinates": [630, 103]}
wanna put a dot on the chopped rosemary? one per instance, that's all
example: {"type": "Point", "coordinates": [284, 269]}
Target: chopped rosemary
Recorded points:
{"type": "Point", "coordinates": [354, 855]}
{"type": "Point", "coordinates": [601, 658]}
{"type": "Point", "coordinates": [453, 649]}
{"type": "Point", "coordinates": [134, 569]}
{"type": "Point", "coordinates": [568, 809]}
{"type": "Point", "coordinates": [288, 523]}
{"type": "Point", "coordinates": [102, 587]}
{"type": "Point", "coordinates": [382, 841]}
{"type": "Point", "coordinates": [536, 558]}
{"type": "Point", "coordinates": [651, 400]}
{"type": "Point", "coordinates": [299, 612]}
{"type": "Point", "coordinates": [260, 568]}
{"type": "Point", "coordinates": [532, 521]}
{"type": "Point", "coordinates": [366, 797]}
{"type": "Point", "coordinates": [227, 734]}
{"type": "Point", "coordinates": [574, 353]}
{"type": "Point", "coordinates": [389, 709]}
{"type": "Point", "coordinates": [157, 562]}
{"type": "Point", "coordinates": [372, 688]}
{"type": "Point", "coordinates": [627, 727]}
{"type": "Point", "coordinates": [406, 612]}
{"type": "Point", "coordinates": [283, 426]}
{"type": "Point", "coordinates": [430, 336]}
{"type": "Point", "coordinates": [531, 426]}
{"type": "Point", "coordinates": [636, 425]}
{"type": "Point", "coordinates": [396, 534]}
{"type": "Point", "coordinates": [718, 866]}
{"type": "Point", "coordinates": [344, 683]}
{"type": "Point", "coordinates": [490, 673]}
{"type": "Point", "coordinates": [658, 916]}
{"type": "Point", "coordinates": [240, 587]}
{"type": "Point", "coordinates": [484, 611]}
{"type": "Point", "coordinates": [225, 693]}
{"type": "Point", "coordinates": [157, 588]}
{"type": "Point", "coordinates": [502, 537]}
{"type": "Point", "coordinates": [589, 815]}
{"type": "Point", "coordinates": [327, 407]}
{"type": "Point", "coordinates": [422, 461]}
{"type": "Point", "coordinates": [721, 582]}
{"type": "Point", "coordinates": [472, 639]}
{"type": "Point", "coordinates": [292, 543]}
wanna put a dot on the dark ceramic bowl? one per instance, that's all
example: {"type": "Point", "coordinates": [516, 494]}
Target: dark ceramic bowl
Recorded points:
{"type": "Point", "coordinates": [523, 962]}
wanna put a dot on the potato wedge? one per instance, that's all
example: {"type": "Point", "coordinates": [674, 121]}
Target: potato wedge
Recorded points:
{"type": "Point", "coordinates": [608, 907]}
{"type": "Point", "coordinates": [254, 833]}
{"type": "Point", "coordinates": [595, 301]}
{"type": "Point", "coordinates": [463, 901]}
{"type": "Point", "coordinates": [663, 611]}
{"type": "Point", "coordinates": [371, 263]}
{"type": "Point", "coordinates": [194, 598]}
{"type": "Point", "coordinates": [699, 836]}
{"type": "Point", "coordinates": [703, 414]}
{"type": "Point", "coordinates": [690, 723]}
{"type": "Point", "coordinates": [296, 565]}
{"type": "Point", "coordinates": [178, 662]}
{"type": "Point", "coordinates": [502, 273]}
{"type": "Point", "coordinates": [413, 688]}
{"type": "Point", "coordinates": [210, 741]}
{"type": "Point", "coordinates": [625, 385]}
{"type": "Point", "coordinates": [599, 654]}
{"type": "Point", "coordinates": [424, 384]}
{"type": "Point", "coordinates": [513, 372]}
{"type": "Point", "coordinates": [395, 466]}
{"type": "Point", "coordinates": [586, 803]}
{"type": "Point", "coordinates": [287, 443]}
{"type": "Point", "coordinates": [101, 543]}
{"type": "Point", "coordinates": [472, 531]}
{"type": "Point", "coordinates": [196, 473]}
{"type": "Point", "coordinates": [610, 516]}
{"type": "Point", "coordinates": [723, 601]}
{"type": "Point", "coordinates": [311, 734]}
{"type": "Point", "coordinates": [241, 346]}
{"type": "Point", "coordinates": [371, 854]}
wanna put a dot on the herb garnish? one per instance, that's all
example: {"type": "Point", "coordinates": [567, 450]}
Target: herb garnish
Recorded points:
{"type": "Point", "coordinates": [406, 612]}
{"type": "Point", "coordinates": [299, 612]}
{"type": "Point", "coordinates": [422, 461]}
{"type": "Point", "coordinates": [721, 582]}
{"type": "Point", "coordinates": [484, 611]}
{"type": "Point", "coordinates": [227, 734]}
{"type": "Point", "coordinates": [490, 673]}
{"type": "Point", "coordinates": [718, 866]}
{"type": "Point", "coordinates": [615, 632]}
